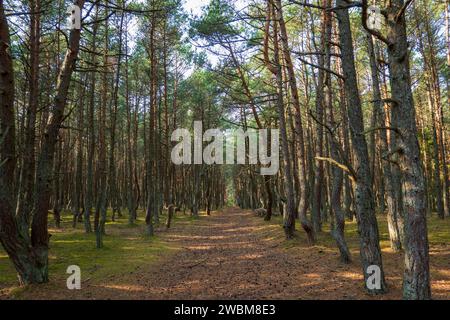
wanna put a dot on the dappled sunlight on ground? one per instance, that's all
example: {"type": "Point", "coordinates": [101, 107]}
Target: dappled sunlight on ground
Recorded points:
{"type": "Point", "coordinates": [349, 275]}
{"type": "Point", "coordinates": [126, 288]}
{"type": "Point", "coordinates": [228, 255]}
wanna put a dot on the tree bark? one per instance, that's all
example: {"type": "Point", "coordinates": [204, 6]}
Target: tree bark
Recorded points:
{"type": "Point", "coordinates": [365, 207]}
{"type": "Point", "coordinates": [29, 257]}
{"type": "Point", "coordinates": [303, 196]}
{"type": "Point", "coordinates": [416, 279]}
{"type": "Point", "coordinates": [394, 216]}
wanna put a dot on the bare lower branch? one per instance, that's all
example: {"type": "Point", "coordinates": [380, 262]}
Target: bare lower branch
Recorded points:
{"type": "Point", "coordinates": [396, 130]}
{"type": "Point", "coordinates": [401, 12]}
{"type": "Point", "coordinates": [339, 165]}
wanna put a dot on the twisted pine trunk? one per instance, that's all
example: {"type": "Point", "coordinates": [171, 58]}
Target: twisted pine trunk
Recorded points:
{"type": "Point", "coordinates": [365, 206]}
{"type": "Point", "coordinates": [416, 278]}
{"type": "Point", "coordinates": [30, 257]}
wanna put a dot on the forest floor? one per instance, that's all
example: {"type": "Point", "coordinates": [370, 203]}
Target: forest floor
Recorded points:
{"type": "Point", "coordinates": [229, 255]}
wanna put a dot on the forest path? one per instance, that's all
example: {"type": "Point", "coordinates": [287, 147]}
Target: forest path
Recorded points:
{"type": "Point", "coordinates": [235, 255]}
{"type": "Point", "coordinates": [229, 255]}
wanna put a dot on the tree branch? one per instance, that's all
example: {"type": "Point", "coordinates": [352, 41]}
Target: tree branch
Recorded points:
{"type": "Point", "coordinates": [339, 165]}
{"type": "Point", "coordinates": [402, 10]}
{"type": "Point", "coordinates": [377, 34]}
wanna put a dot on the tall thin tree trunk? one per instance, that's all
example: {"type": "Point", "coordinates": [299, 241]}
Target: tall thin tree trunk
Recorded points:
{"type": "Point", "coordinates": [25, 196]}
{"type": "Point", "coordinates": [89, 199]}
{"type": "Point", "coordinates": [303, 204]}
{"type": "Point", "coordinates": [394, 216]}
{"type": "Point", "coordinates": [365, 206]}
{"type": "Point", "coordinates": [416, 280]}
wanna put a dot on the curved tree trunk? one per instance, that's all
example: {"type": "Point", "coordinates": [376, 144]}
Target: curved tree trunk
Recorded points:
{"type": "Point", "coordinates": [365, 206]}
{"type": "Point", "coordinates": [416, 279]}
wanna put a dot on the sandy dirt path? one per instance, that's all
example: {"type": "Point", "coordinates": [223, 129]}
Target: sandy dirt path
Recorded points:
{"type": "Point", "coordinates": [235, 255]}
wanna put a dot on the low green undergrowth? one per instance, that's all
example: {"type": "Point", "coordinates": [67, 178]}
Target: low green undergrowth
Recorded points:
{"type": "Point", "coordinates": [125, 248]}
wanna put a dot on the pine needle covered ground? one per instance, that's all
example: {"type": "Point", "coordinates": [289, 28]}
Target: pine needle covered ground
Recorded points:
{"type": "Point", "coordinates": [230, 255]}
